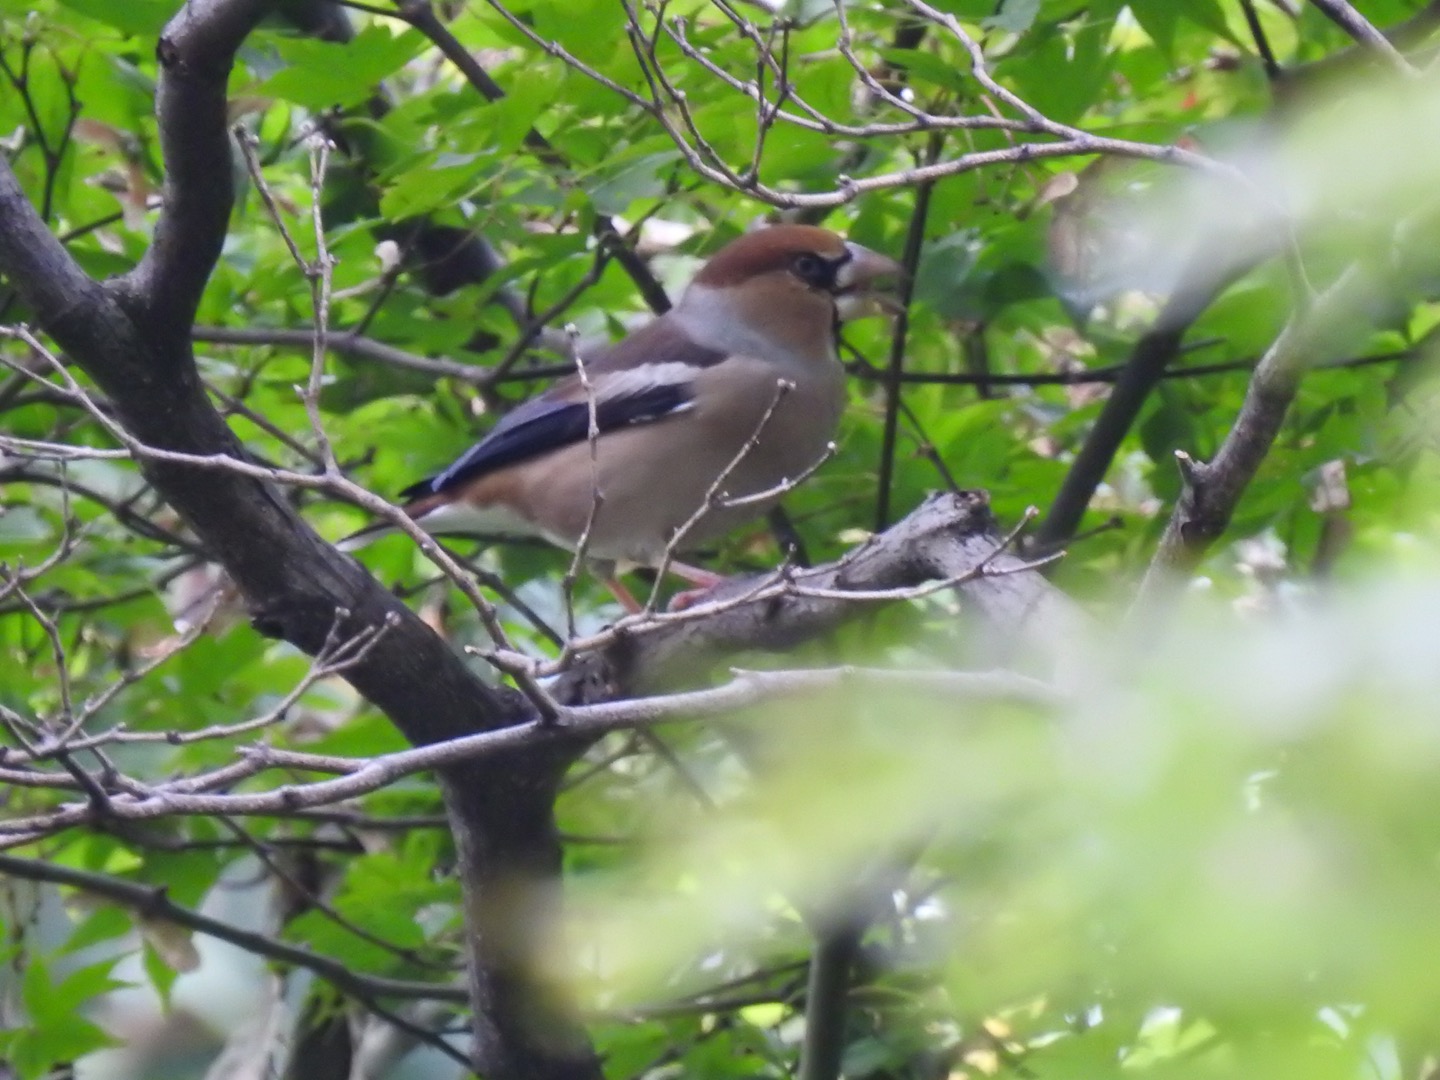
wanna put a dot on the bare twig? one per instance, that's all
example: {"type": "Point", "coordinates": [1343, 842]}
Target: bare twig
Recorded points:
{"type": "Point", "coordinates": [1343, 15]}
{"type": "Point", "coordinates": [597, 497]}
{"type": "Point", "coordinates": [714, 492]}
{"type": "Point", "coordinates": [334, 658]}
{"type": "Point", "coordinates": [320, 274]}
{"type": "Point", "coordinates": [335, 483]}
{"type": "Point", "coordinates": [351, 345]}
{"type": "Point", "coordinates": [910, 260]}
{"type": "Point", "coordinates": [248, 144]}
{"type": "Point", "coordinates": [358, 776]}
{"type": "Point", "coordinates": [152, 902]}
{"type": "Point", "coordinates": [784, 487]}
{"type": "Point", "coordinates": [708, 164]}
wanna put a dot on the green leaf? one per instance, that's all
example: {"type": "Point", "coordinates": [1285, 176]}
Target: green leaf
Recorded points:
{"type": "Point", "coordinates": [1159, 19]}
{"type": "Point", "coordinates": [920, 64]}
{"type": "Point", "coordinates": [1061, 70]}
{"type": "Point", "coordinates": [23, 525]}
{"type": "Point", "coordinates": [1209, 15]}
{"type": "Point", "coordinates": [142, 18]}
{"type": "Point", "coordinates": [37, 1050]}
{"type": "Point", "coordinates": [104, 923]}
{"type": "Point", "coordinates": [324, 74]}
{"type": "Point", "coordinates": [186, 876]}
{"type": "Point", "coordinates": [430, 186]}
{"type": "Point", "coordinates": [529, 95]}
{"type": "Point", "coordinates": [1014, 16]}
{"type": "Point", "coordinates": [643, 177]}
{"type": "Point", "coordinates": [51, 1000]}
{"type": "Point", "coordinates": [160, 974]}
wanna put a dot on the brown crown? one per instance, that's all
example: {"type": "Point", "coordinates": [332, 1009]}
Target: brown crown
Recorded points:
{"type": "Point", "coordinates": [766, 250]}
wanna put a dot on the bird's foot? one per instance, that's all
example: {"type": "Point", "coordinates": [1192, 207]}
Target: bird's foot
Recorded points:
{"type": "Point", "coordinates": [682, 601]}
{"type": "Point", "coordinates": [706, 580]}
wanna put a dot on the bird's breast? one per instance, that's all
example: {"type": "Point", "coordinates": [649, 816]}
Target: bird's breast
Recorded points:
{"type": "Point", "coordinates": [776, 431]}
{"type": "Point", "coordinates": [744, 436]}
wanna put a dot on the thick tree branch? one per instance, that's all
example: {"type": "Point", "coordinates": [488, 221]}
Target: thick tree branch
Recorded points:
{"type": "Point", "coordinates": [1212, 491]}
{"type": "Point", "coordinates": [132, 338]}
{"type": "Point", "coordinates": [950, 537]}
{"type": "Point", "coordinates": [195, 52]}
{"type": "Point", "coordinates": [1146, 367]}
{"type": "Point", "coordinates": [827, 994]}
{"type": "Point", "coordinates": [54, 284]}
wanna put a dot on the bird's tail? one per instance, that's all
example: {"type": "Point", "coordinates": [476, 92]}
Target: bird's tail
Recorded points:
{"type": "Point", "coordinates": [368, 535]}
{"type": "Point", "coordinates": [415, 509]}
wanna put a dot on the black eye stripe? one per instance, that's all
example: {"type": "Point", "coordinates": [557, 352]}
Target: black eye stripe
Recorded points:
{"type": "Point", "coordinates": [816, 270]}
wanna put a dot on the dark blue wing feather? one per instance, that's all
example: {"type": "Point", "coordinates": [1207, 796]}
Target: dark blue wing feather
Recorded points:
{"type": "Point", "coordinates": [546, 424]}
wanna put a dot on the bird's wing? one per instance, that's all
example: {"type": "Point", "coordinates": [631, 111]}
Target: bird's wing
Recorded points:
{"type": "Point", "coordinates": [645, 378]}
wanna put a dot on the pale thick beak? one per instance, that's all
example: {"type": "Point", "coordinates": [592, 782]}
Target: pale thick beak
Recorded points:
{"type": "Point", "coordinates": [866, 284]}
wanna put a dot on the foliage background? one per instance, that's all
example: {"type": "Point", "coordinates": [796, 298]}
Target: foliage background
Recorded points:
{"type": "Point", "coordinates": [1216, 856]}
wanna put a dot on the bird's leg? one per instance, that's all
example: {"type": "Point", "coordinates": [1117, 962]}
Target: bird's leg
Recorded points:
{"type": "Point", "coordinates": [625, 596]}
{"type": "Point", "coordinates": [695, 575]}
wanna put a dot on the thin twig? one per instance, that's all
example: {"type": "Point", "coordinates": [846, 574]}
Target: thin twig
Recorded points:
{"type": "Point", "coordinates": [714, 492]}
{"type": "Point", "coordinates": [1272, 67]}
{"type": "Point", "coordinates": [910, 260]}
{"type": "Point", "coordinates": [248, 144]}
{"type": "Point", "coordinates": [335, 483]}
{"type": "Point", "coordinates": [1343, 15]}
{"type": "Point", "coordinates": [597, 497]}
{"type": "Point", "coordinates": [152, 902]}
{"type": "Point", "coordinates": [321, 274]}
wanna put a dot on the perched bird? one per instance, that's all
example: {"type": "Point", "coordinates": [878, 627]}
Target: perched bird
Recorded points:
{"type": "Point", "coordinates": [734, 391]}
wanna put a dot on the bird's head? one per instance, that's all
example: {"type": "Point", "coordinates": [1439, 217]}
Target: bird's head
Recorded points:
{"type": "Point", "coordinates": [787, 285]}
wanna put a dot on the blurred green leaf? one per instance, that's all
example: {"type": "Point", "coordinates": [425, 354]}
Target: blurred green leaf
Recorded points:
{"type": "Point", "coordinates": [140, 17]}
{"type": "Point", "coordinates": [1215, 858]}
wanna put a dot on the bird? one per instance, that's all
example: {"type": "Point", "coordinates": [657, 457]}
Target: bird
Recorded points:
{"type": "Point", "coordinates": [702, 418]}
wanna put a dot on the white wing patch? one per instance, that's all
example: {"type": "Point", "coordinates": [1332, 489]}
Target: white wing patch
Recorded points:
{"type": "Point", "coordinates": [461, 517]}
{"type": "Point", "coordinates": [619, 384]}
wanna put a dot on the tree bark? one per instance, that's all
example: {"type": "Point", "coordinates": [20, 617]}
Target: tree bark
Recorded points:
{"type": "Point", "coordinates": [131, 336]}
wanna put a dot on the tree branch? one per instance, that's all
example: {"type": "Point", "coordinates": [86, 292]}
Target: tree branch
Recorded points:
{"type": "Point", "coordinates": [1343, 15]}
{"type": "Point", "coordinates": [895, 370]}
{"type": "Point", "coordinates": [950, 537]}
{"type": "Point", "coordinates": [151, 902]}
{"type": "Point", "coordinates": [365, 348]}
{"type": "Point", "coordinates": [1213, 491]}
{"type": "Point", "coordinates": [421, 15]}
{"type": "Point", "coordinates": [132, 338]}
{"type": "Point", "coordinates": [1145, 368]}
{"type": "Point", "coordinates": [827, 994]}
{"type": "Point", "coordinates": [195, 52]}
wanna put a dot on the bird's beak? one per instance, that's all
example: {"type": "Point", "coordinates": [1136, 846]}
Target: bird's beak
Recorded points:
{"type": "Point", "coordinates": [867, 283]}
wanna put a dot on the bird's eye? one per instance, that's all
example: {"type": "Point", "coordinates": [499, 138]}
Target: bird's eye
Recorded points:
{"type": "Point", "coordinates": [813, 270]}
